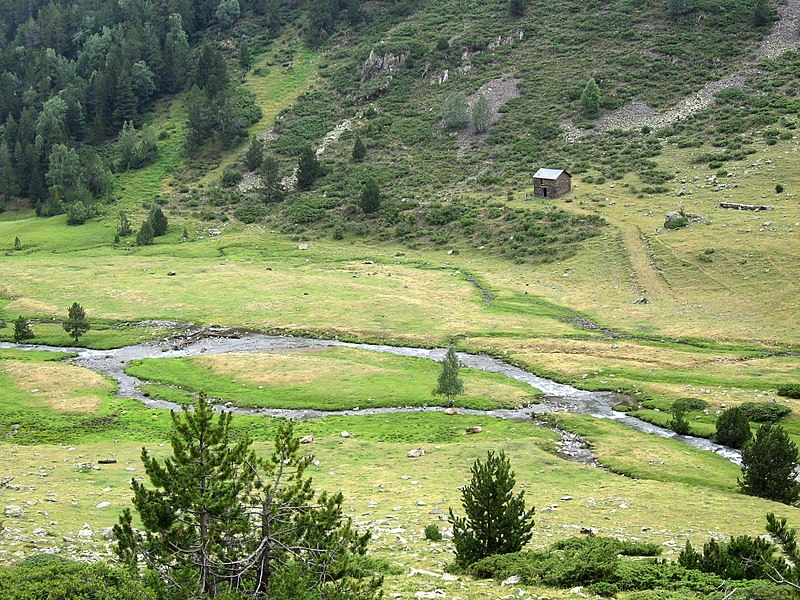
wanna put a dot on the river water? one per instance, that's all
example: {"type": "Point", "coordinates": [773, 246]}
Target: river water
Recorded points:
{"type": "Point", "coordinates": [558, 397]}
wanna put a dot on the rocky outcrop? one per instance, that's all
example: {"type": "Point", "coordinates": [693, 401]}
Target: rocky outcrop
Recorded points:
{"type": "Point", "coordinates": [378, 63]}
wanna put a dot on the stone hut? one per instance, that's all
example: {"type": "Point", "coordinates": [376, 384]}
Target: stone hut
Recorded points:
{"type": "Point", "coordinates": [551, 183]}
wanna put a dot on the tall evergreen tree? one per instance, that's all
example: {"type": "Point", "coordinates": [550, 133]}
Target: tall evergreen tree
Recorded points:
{"type": "Point", "coordinates": [254, 155]}
{"type": "Point", "coordinates": [158, 220]}
{"type": "Point", "coordinates": [496, 520]}
{"type": "Point", "coordinates": [591, 98]}
{"type": "Point", "coordinates": [145, 235]}
{"type": "Point", "coordinates": [218, 519]}
{"type": "Point", "coordinates": [359, 149]}
{"type": "Point", "coordinates": [449, 384]}
{"type": "Point", "coordinates": [76, 323]}
{"type": "Point", "coordinates": [733, 428]}
{"type": "Point", "coordinates": [308, 169]}
{"type": "Point", "coordinates": [370, 200]}
{"type": "Point", "coordinates": [769, 461]}
{"type": "Point", "coordinates": [22, 329]}
{"type": "Point", "coordinates": [271, 185]}
{"type": "Point", "coordinates": [481, 114]}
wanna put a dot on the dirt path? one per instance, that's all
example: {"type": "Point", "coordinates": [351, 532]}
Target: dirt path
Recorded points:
{"type": "Point", "coordinates": [651, 281]}
{"type": "Point", "coordinates": [785, 36]}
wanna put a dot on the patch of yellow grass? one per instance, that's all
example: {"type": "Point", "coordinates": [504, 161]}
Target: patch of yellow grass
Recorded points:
{"type": "Point", "coordinates": [279, 369]}
{"type": "Point", "coordinates": [62, 387]}
{"type": "Point", "coordinates": [30, 306]}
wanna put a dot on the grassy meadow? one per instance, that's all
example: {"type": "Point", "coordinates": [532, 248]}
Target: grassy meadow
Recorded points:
{"type": "Point", "coordinates": [719, 322]}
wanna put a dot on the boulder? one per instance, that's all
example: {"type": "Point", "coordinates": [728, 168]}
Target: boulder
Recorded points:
{"type": "Point", "coordinates": [307, 439]}
{"type": "Point", "coordinates": [476, 429]}
{"type": "Point", "coordinates": [416, 453]}
{"type": "Point", "coordinates": [452, 410]}
{"type": "Point", "coordinates": [346, 434]}
{"type": "Point", "coordinates": [13, 511]}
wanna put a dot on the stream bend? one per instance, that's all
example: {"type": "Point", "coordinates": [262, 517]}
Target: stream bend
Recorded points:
{"type": "Point", "coordinates": [558, 397]}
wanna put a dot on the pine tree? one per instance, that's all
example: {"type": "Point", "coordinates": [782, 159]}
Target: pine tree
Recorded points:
{"type": "Point", "coordinates": [245, 61]}
{"type": "Point", "coordinates": [228, 12]}
{"type": "Point", "coordinates": [768, 465]}
{"type": "Point", "coordinates": [196, 502]}
{"type": "Point", "coordinates": [733, 428]}
{"type": "Point", "coordinates": [217, 519]}
{"type": "Point", "coordinates": [271, 185]}
{"type": "Point", "coordinates": [22, 330]}
{"type": "Point", "coordinates": [157, 220]}
{"type": "Point", "coordinates": [17, 243]}
{"type": "Point", "coordinates": [370, 200]}
{"type": "Point", "coordinates": [762, 13]}
{"type": "Point", "coordinates": [449, 384]}
{"type": "Point", "coordinates": [308, 169]}
{"type": "Point", "coordinates": [76, 324]}
{"type": "Point", "coordinates": [496, 520]}
{"type": "Point", "coordinates": [145, 235]}
{"type": "Point", "coordinates": [359, 149]}
{"type": "Point", "coordinates": [124, 227]}
{"type": "Point", "coordinates": [254, 155]}
{"type": "Point", "coordinates": [679, 424]}
{"type": "Point", "coordinates": [591, 98]}
{"type": "Point", "coordinates": [481, 114]}
{"type": "Point", "coordinates": [455, 112]}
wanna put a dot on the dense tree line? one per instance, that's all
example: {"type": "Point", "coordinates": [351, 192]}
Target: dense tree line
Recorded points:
{"type": "Point", "coordinates": [76, 74]}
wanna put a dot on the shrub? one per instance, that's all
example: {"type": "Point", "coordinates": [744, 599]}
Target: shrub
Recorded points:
{"type": "Point", "coordinates": [432, 533]}
{"type": "Point", "coordinates": [778, 189]}
{"type": "Point", "coordinates": [77, 213]}
{"type": "Point", "coordinates": [733, 428]}
{"type": "Point", "coordinates": [249, 213]}
{"type": "Point", "coordinates": [765, 412]}
{"type": "Point", "coordinates": [230, 178]}
{"type": "Point", "coordinates": [676, 223]}
{"type": "Point", "coordinates": [55, 578]}
{"type": "Point", "coordinates": [688, 404]}
{"type": "Point", "coordinates": [455, 113]}
{"type": "Point", "coordinates": [789, 390]}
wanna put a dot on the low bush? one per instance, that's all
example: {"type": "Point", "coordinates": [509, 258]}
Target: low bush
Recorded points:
{"type": "Point", "coordinates": [789, 390]}
{"type": "Point", "coordinates": [432, 533]}
{"type": "Point", "coordinates": [765, 412]}
{"type": "Point", "coordinates": [688, 404]}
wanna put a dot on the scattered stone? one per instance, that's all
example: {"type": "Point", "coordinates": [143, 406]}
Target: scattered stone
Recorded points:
{"type": "Point", "coordinates": [303, 247]}
{"type": "Point", "coordinates": [433, 594]}
{"type": "Point", "coordinates": [346, 434]}
{"type": "Point", "coordinates": [85, 532]}
{"type": "Point", "coordinates": [103, 505]}
{"type": "Point", "coordinates": [307, 439]}
{"type": "Point", "coordinates": [565, 498]}
{"type": "Point", "coordinates": [476, 429]}
{"type": "Point", "coordinates": [641, 300]}
{"type": "Point", "coordinates": [107, 461]}
{"type": "Point", "coordinates": [513, 580]}
{"type": "Point", "coordinates": [738, 206]}
{"type": "Point", "coordinates": [13, 511]}
{"type": "Point", "coordinates": [171, 273]}
{"type": "Point", "coordinates": [452, 410]}
{"type": "Point", "coordinates": [416, 453]}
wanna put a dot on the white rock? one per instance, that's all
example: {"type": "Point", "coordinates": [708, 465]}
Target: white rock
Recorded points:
{"type": "Point", "coordinates": [433, 594]}
{"type": "Point", "coordinates": [13, 511]}
{"type": "Point", "coordinates": [513, 580]}
{"type": "Point", "coordinates": [103, 505]}
{"type": "Point", "coordinates": [346, 434]}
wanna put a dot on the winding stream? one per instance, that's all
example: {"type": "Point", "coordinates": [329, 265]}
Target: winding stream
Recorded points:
{"type": "Point", "coordinates": [558, 397]}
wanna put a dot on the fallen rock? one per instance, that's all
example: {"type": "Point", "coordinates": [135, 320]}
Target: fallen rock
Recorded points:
{"type": "Point", "coordinates": [452, 410]}
{"type": "Point", "coordinates": [513, 580]}
{"type": "Point", "coordinates": [13, 511]}
{"type": "Point", "coordinates": [416, 453]}
{"type": "Point", "coordinates": [171, 273]}
{"type": "Point", "coordinates": [476, 429]}
{"type": "Point", "coordinates": [308, 439]}
{"type": "Point", "coordinates": [346, 434]}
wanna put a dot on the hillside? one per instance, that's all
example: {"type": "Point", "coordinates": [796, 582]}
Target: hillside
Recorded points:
{"type": "Point", "coordinates": [322, 178]}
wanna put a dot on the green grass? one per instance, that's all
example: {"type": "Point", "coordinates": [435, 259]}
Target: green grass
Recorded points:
{"type": "Point", "coordinates": [334, 379]}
